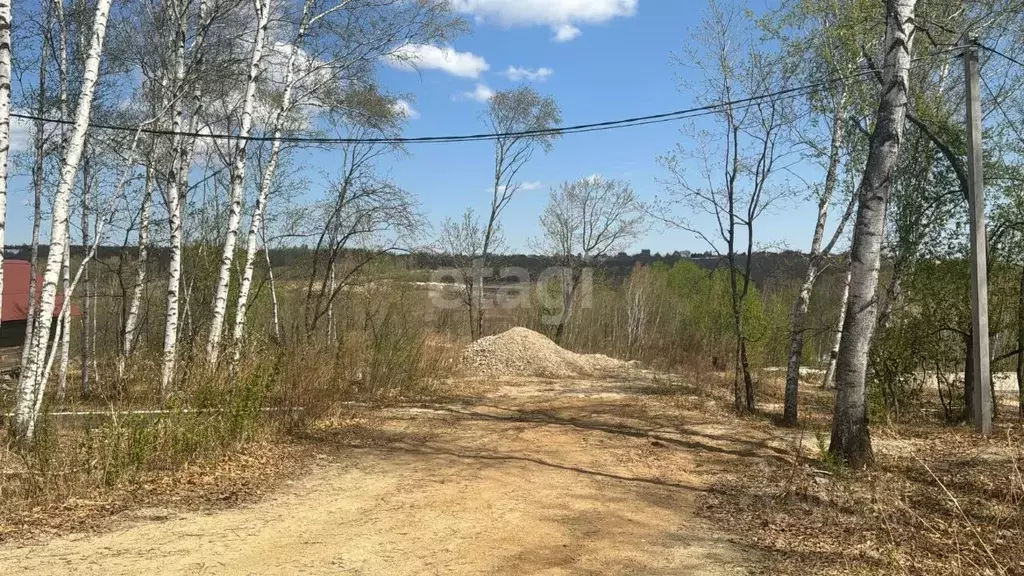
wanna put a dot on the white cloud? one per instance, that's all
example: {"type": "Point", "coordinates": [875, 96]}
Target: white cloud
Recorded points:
{"type": "Point", "coordinates": [21, 135]}
{"type": "Point", "coordinates": [561, 15]}
{"type": "Point", "coordinates": [424, 56]}
{"type": "Point", "coordinates": [402, 108]}
{"type": "Point", "coordinates": [524, 187]}
{"type": "Point", "coordinates": [517, 74]}
{"type": "Point", "coordinates": [566, 32]}
{"type": "Point", "coordinates": [482, 93]}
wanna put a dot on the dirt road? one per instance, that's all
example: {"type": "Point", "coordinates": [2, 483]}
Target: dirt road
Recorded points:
{"type": "Point", "coordinates": [531, 477]}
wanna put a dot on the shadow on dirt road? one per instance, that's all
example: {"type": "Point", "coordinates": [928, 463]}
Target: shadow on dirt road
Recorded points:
{"type": "Point", "coordinates": [530, 477]}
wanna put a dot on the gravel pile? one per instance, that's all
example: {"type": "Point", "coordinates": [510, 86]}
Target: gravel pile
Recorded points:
{"type": "Point", "coordinates": [523, 352]}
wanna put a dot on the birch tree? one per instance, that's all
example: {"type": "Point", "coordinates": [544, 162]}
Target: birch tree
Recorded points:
{"type": "Point", "coordinates": [837, 334]}
{"type": "Point", "coordinates": [174, 85]}
{"type": "Point", "coordinates": [328, 63]}
{"type": "Point", "coordinates": [820, 39]}
{"type": "Point", "coordinates": [131, 321]}
{"type": "Point", "coordinates": [5, 124]}
{"type": "Point", "coordinates": [257, 223]}
{"type": "Point", "coordinates": [31, 385]}
{"type": "Point", "coordinates": [462, 240]}
{"type": "Point", "coordinates": [39, 144]}
{"type": "Point", "coordinates": [220, 301]}
{"type": "Point", "coordinates": [510, 112]}
{"type": "Point", "coordinates": [65, 324]}
{"type": "Point", "coordinates": [851, 440]}
{"type": "Point", "coordinates": [85, 356]}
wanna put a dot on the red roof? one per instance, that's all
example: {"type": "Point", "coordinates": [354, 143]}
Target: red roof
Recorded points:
{"type": "Point", "coordinates": [16, 281]}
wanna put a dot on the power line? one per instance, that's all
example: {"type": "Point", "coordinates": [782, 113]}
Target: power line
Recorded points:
{"type": "Point", "coordinates": [1002, 110]}
{"type": "Point", "coordinates": [575, 129]}
{"type": "Point", "coordinates": [998, 102]}
{"type": "Point", "coordinates": [998, 53]}
{"type": "Point", "coordinates": [676, 115]}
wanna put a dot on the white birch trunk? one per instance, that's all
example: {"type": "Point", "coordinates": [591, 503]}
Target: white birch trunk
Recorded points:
{"type": "Point", "coordinates": [170, 352]}
{"type": "Point", "coordinates": [65, 327]}
{"type": "Point", "coordinates": [62, 73]}
{"type": "Point", "coordinates": [273, 292]}
{"type": "Point", "coordinates": [31, 386]}
{"type": "Point", "coordinates": [803, 301]}
{"type": "Point", "coordinates": [331, 287]}
{"type": "Point", "coordinates": [837, 337]}
{"type": "Point", "coordinates": [260, 210]}
{"type": "Point", "coordinates": [86, 343]}
{"type": "Point", "coordinates": [237, 187]}
{"type": "Point", "coordinates": [5, 124]}
{"type": "Point", "coordinates": [63, 343]}
{"type": "Point", "coordinates": [851, 439]}
{"type": "Point", "coordinates": [38, 175]}
{"type": "Point", "coordinates": [177, 182]}
{"type": "Point", "coordinates": [132, 320]}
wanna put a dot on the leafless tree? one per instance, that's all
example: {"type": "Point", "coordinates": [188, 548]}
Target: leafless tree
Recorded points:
{"type": "Point", "coordinates": [642, 312]}
{"type": "Point", "coordinates": [731, 177]}
{"type": "Point", "coordinates": [509, 113]}
{"type": "Point", "coordinates": [583, 222]}
{"type": "Point", "coordinates": [363, 216]}
{"type": "Point", "coordinates": [462, 240]}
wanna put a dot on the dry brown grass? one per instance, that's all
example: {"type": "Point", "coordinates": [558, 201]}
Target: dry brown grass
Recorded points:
{"type": "Point", "coordinates": [237, 425]}
{"type": "Point", "coordinates": [228, 480]}
{"type": "Point", "coordinates": [939, 500]}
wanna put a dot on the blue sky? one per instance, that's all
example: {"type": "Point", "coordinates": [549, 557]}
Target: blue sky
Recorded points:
{"type": "Point", "coordinates": [601, 60]}
{"type": "Point", "coordinates": [617, 67]}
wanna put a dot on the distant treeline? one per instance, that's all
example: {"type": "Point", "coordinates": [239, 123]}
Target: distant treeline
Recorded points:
{"type": "Point", "coordinates": [768, 266]}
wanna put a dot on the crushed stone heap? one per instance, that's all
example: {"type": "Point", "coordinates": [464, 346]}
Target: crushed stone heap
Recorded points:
{"type": "Point", "coordinates": [523, 352]}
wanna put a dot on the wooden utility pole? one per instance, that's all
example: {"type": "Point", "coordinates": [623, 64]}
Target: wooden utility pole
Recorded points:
{"type": "Point", "coordinates": [982, 415]}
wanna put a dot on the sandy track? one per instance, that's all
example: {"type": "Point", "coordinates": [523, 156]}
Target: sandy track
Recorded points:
{"type": "Point", "coordinates": [533, 478]}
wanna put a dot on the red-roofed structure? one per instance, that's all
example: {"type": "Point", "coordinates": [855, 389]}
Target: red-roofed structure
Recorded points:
{"type": "Point", "coordinates": [14, 315]}
{"type": "Point", "coordinates": [16, 284]}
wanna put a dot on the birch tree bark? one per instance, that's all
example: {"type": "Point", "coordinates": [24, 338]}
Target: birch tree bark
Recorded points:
{"type": "Point", "coordinates": [275, 315]}
{"type": "Point", "coordinates": [177, 181]}
{"type": "Point", "coordinates": [5, 124]}
{"type": "Point", "coordinates": [87, 331]}
{"type": "Point", "coordinates": [803, 300]}
{"type": "Point", "coordinates": [173, 202]}
{"type": "Point", "coordinates": [31, 385]}
{"type": "Point", "coordinates": [65, 326]}
{"type": "Point", "coordinates": [837, 336]}
{"type": "Point", "coordinates": [851, 439]}
{"type": "Point", "coordinates": [132, 319]}
{"type": "Point", "coordinates": [260, 209]}
{"type": "Point", "coordinates": [57, 7]}
{"type": "Point", "coordinates": [237, 187]}
{"type": "Point", "coordinates": [38, 175]}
